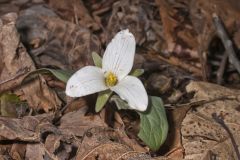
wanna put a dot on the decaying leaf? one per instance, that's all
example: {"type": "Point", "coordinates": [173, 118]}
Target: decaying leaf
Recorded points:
{"type": "Point", "coordinates": [77, 122]}
{"type": "Point", "coordinates": [138, 17]}
{"type": "Point", "coordinates": [18, 151]}
{"type": "Point", "coordinates": [61, 44]}
{"type": "Point", "coordinates": [202, 135]}
{"type": "Point", "coordinates": [35, 151]}
{"type": "Point", "coordinates": [74, 10]}
{"type": "Point", "coordinates": [39, 96]}
{"type": "Point", "coordinates": [9, 104]}
{"type": "Point", "coordinates": [15, 61]}
{"type": "Point", "coordinates": [27, 129]}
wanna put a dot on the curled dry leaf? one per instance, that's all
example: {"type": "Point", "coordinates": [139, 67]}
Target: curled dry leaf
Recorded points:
{"type": "Point", "coordinates": [35, 151]}
{"type": "Point", "coordinates": [112, 151]}
{"type": "Point", "coordinates": [202, 135]}
{"type": "Point", "coordinates": [74, 10]}
{"type": "Point", "coordinates": [94, 137]}
{"type": "Point", "coordinates": [139, 17]}
{"type": "Point", "coordinates": [39, 96]}
{"type": "Point", "coordinates": [109, 151]}
{"type": "Point", "coordinates": [52, 143]}
{"type": "Point", "coordinates": [18, 151]}
{"type": "Point", "coordinates": [107, 143]}
{"type": "Point", "coordinates": [60, 44]}
{"type": "Point", "coordinates": [159, 83]}
{"type": "Point", "coordinates": [77, 122]}
{"type": "Point", "coordinates": [177, 28]}
{"type": "Point", "coordinates": [15, 61]}
{"type": "Point", "coordinates": [27, 129]}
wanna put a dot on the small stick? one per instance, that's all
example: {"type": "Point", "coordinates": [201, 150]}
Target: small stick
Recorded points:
{"type": "Point", "coordinates": [19, 74]}
{"type": "Point", "coordinates": [220, 121]}
{"type": "Point", "coordinates": [226, 42]}
{"type": "Point", "coordinates": [221, 69]}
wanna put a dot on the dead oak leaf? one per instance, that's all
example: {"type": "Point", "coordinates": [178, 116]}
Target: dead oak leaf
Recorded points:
{"type": "Point", "coordinates": [39, 96]}
{"type": "Point", "coordinates": [201, 134]}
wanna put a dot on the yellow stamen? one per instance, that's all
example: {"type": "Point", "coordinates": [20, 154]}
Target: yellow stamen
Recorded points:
{"type": "Point", "coordinates": [111, 79]}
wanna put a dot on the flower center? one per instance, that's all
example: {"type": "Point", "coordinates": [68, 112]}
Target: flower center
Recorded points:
{"type": "Point", "coordinates": [111, 79]}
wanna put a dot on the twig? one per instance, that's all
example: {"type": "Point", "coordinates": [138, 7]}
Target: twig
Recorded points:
{"type": "Point", "coordinates": [221, 69]}
{"type": "Point", "coordinates": [200, 102]}
{"type": "Point", "coordinates": [19, 74]}
{"type": "Point", "coordinates": [220, 121]}
{"type": "Point", "coordinates": [226, 42]}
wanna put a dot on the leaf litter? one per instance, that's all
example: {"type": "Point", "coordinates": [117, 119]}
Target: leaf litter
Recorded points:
{"type": "Point", "coordinates": [177, 46]}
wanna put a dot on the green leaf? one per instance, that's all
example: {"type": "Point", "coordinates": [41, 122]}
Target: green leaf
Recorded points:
{"type": "Point", "coordinates": [62, 75]}
{"type": "Point", "coordinates": [102, 99]}
{"type": "Point", "coordinates": [121, 104]}
{"type": "Point", "coordinates": [153, 125]}
{"type": "Point", "coordinates": [9, 104]}
{"type": "Point", "coordinates": [137, 72]}
{"type": "Point", "coordinates": [97, 59]}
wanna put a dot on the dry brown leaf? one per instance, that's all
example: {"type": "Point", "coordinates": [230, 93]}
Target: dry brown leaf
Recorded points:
{"type": "Point", "coordinates": [57, 42]}
{"type": "Point", "coordinates": [176, 27]}
{"type": "Point", "coordinates": [173, 141]}
{"type": "Point", "coordinates": [35, 151]}
{"type": "Point", "coordinates": [15, 62]}
{"type": "Point", "coordinates": [139, 17]}
{"type": "Point", "coordinates": [133, 155]}
{"type": "Point", "coordinates": [159, 83]}
{"type": "Point", "coordinates": [74, 10]}
{"type": "Point", "coordinates": [39, 96]}
{"type": "Point", "coordinates": [27, 129]}
{"type": "Point", "coordinates": [4, 149]}
{"type": "Point", "coordinates": [202, 136]}
{"type": "Point", "coordinates": [18, 151]}
{"type": "Point", "coordinates": [75, 104]}
{"type": "Point", "coordinates": [52, 143]}
{"type": "Point", "coordinates": [95, 137]}
{"type": "Point", "coordinates": [77, 123]}
{"type": "Point", "coordinates": [109, 151]}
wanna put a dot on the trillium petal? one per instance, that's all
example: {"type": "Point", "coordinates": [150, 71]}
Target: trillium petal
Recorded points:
{"type": "Point", "coordinates": [86, 81]}
{"type": "Point", "coordinates": [132, 90]}
{"type": "Point", "coordinates": [119, 55]}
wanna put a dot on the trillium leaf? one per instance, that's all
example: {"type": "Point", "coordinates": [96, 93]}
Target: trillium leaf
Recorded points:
{"type": "Point", "coordinates": [102, 99]}
{"type": "Point", "coordinates": [153, 125]}
{"type": "Point", "coordinates": [121, 104]}
{"type": "Point", "coordinates": [97, 59]}
{"type": "Point", "coordinates": [61, 75]}
{"type": "Point", "coordinates": [137, 72]}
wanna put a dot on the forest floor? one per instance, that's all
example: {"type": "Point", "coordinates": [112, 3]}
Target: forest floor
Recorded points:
{"type": "Point", "coordinates": [189, 51]}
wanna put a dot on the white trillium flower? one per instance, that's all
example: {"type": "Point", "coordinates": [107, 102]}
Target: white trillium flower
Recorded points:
{"type": "Point", "coordinates": [117, 62]}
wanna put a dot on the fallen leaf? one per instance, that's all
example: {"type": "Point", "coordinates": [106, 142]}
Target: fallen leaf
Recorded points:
{"type": "Point", "coordinates": [74, 10]}
{"type": "Point", "coordinates": [35, 151]}
{"type": "Point", "coordinates": [18, 151]}
{"type": "Point", "coordinates": [9, 104]}
{"type": "Point", "coordinates": [39, 96]}
{"type": "Point", "coordinates": [201, 134]}
{"type": "Point", "coordinates": [63, 44]}
{"type": "Point", "coordinates": [77, 122]}
{"type": "Point", "coordinates": [27, 129]}
{"type": "Point", "coordinates": [15, 61]}
{"type": "Point", "coordinates": [139, 18]}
